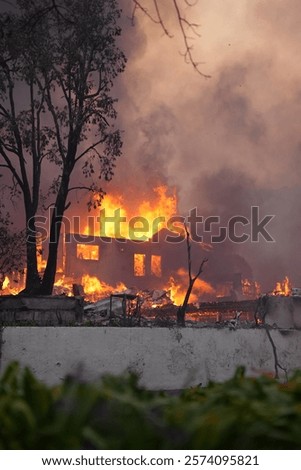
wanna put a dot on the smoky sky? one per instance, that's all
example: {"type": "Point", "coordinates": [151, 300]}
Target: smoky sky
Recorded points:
{"type": "Point", "coordinates": [225, 143]}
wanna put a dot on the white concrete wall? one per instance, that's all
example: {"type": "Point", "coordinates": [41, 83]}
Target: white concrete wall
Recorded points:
{"type": "Point", "coordinates": [164, 358]}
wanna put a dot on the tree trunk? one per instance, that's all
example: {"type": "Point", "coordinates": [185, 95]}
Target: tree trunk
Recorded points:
{"type": "Point", "coordinates": [32, 282]}
{"type": "Point", "coordinates": [55, 230]}
{"type": "Point", "coordinates": [182, 309]}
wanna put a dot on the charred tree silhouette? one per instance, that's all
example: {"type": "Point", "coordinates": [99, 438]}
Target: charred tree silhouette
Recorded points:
{"type": "Point", "coordinates": [58, 62]}
{"type": "Point", "coordinates": [191, 280]}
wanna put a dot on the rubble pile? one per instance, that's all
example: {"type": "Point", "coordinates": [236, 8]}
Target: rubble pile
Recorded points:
{"type": "Point", "coordinates": [132, 307]}
{"type": "Point", "coordinates": [129, 307]}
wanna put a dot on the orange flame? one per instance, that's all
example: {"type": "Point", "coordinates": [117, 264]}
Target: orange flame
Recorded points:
{"type": "Point", "coordinates": [283, 287]}
{"type": "Point", "coordinates": [90, 252]}
{"type": "Point", "coordinates": [178, 287]}
{"type": "Point", "coordinates": [139, 223]}
{"type": "Point", "coordinates": [95, 289]}
{"type": "Point", "coordinates": [12, 284]}
{"type": "Point", "coordinates": [250, 289]}
{"type": "Point", "coordinates": [5, 283]}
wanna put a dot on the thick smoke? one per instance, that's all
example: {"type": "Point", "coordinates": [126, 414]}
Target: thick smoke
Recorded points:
{"type": "Point", "coordinates": [226, 143]}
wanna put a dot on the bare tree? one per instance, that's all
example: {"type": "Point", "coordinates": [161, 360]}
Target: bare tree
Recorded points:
{"type": "Point", "coordinates": [58, 61]}
{"type": "Point", "coordinates": [191, 280]}
{"type": "Point", "coordinates": [189, 30]}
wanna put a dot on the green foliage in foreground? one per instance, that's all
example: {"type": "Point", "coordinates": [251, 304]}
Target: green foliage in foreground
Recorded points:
{"type": "Point", "coordinates": [116, 413]}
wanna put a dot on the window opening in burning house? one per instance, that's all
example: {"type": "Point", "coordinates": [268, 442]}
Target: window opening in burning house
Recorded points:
{"type": "Point", "coordinates": [156, 269]}
{"type": "Point", "coordinates": [88, 252]}
{"type": "Point", "coordinates": [139, 264]}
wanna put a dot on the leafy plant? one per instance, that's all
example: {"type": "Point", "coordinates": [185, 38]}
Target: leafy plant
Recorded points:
{"type": "Point", "coordinates": [117, 413]}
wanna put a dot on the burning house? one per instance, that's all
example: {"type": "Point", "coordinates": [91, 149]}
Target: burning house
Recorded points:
{"type": "Point", "coordinates": [157, 263]}
{"type": "Point", "coordinates": [147, 250]}
{"type": "Point", "coordinates": [143, 264]}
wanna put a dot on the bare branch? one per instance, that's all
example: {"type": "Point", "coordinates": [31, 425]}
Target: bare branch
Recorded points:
{"type": "Point", "coordinates": [137, 5]}
{"type": "Point", "coordinates": [192, 26]}
{"type": "Point", "coordinates": [205, 260]}
{"type": "Point", "coordinates": [160, 19]}
{"type": "Point", "coordinates": [183, 23]}
{"type": "Point", "coordinates": [188, 251]}
{"type": "Point", "coordinates": [276, 361]}
{"type": "Point", "coordinates": [88, 149]}
{"type": "Point", "coordinates": [86, 188]}
{"type": "Point", "coordinates": [188, 48]}
{"type": "Point", "coordinates": [182, 309]}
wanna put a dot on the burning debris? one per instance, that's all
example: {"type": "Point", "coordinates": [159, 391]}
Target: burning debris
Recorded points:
{"type": "Point", "coordinates": [283, 288]}
{"type": "Point", "coordinates": [101, 259]}
{"type": "Point", "coordinates": [122, 306]}
{"type": "Point", "coordinates": [12, 284]}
